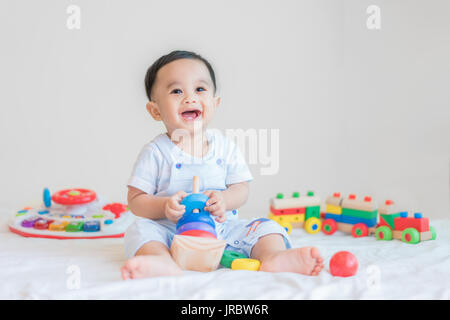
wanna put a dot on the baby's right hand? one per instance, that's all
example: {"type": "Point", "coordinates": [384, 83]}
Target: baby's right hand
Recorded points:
{"type": "Point", "coordinates": [174, 210]}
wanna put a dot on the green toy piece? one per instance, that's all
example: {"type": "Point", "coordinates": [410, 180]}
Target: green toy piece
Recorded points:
{"type": "Point", "coordinates": [228, 257]}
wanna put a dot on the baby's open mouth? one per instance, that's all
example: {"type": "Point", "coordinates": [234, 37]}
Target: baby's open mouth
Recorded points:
{"type": "Point", "coordinates": [191, 114]}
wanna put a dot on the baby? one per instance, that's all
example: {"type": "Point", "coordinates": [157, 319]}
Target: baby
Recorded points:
{"type": "Point", "coordinates": [181, 88]}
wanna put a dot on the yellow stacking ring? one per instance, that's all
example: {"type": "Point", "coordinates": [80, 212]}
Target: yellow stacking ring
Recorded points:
{"type": "Point", "coordinates": [245, 264]}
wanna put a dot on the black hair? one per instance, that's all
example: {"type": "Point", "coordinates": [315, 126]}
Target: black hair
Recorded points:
{"type": "Point", "coordinates": [150, 76]}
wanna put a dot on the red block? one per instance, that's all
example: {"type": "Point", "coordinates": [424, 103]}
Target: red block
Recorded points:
{"type": "Point", "coordinates": [422, 224]}
{"type": "Point", "coordinates": [279, 212]}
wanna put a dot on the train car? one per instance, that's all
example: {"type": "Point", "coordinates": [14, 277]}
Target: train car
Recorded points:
{"type": "Point", "coordinates": [297, 211]}
{"type": "Point", "coordinates": [395, 224]}
{"type": "Point", "coordinates": [356, 216]}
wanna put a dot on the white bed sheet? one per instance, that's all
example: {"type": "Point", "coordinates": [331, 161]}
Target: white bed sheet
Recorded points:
{"type": "Point", "coordinates": [40, 269]}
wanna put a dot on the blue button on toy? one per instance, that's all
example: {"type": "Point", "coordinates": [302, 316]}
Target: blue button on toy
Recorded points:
{"type": "Point", "coordinates": [418, 215]}
{"type": "Point", "coordinates": [91, 226]}
{"type": "Point", "coordinates": [404, 214]}
{"type": "Point", "coordinates": [109, 221]}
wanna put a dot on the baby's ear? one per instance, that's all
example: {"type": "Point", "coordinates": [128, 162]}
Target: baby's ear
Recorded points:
{"type": "Point", "coordinates": [217, 101]}
{"type": "Point", "coordinates": [153, 109]}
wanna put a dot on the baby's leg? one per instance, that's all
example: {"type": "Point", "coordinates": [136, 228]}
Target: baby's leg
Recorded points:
{"type": "Point", "coordinates": [274, 257]}
{"type": "Point", "coordinates": [153, 259]}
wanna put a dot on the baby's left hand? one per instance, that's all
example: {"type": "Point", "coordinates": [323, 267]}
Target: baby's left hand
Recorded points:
{"type": "Point", "coordinates": [216, 204]}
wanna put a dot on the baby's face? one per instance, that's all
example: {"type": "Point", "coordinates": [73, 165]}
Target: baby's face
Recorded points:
{"type": "Point", "coordinates": [183, 95]}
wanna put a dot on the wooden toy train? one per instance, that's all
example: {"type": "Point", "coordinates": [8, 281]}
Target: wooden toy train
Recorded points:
{"type": "Point", "coordinates": [360, 217]}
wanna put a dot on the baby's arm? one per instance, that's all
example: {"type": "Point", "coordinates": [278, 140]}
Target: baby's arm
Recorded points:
{"type": "Point", "coordinates": [152, 207]}
{"type": "Point", "coordinates": [145, 205]}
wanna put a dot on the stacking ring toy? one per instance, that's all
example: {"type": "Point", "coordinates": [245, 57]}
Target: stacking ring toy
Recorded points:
{"type": "Point", "coordinates": [245, 264]}
{"type": "Point", "coordinates": [74, 196]}
{"type": "Point", "coordinates": [229, 256]}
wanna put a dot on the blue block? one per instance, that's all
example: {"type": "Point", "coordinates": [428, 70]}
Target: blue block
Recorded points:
{"type": "Point", "coordinates": [354, 220]}
{"type": "Point", "coordinates": [418, 215]}
{"type": "Point", "coordinates": [335, 217]}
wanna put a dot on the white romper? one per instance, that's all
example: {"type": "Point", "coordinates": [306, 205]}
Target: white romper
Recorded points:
{"type": "Point", "coordinates": [162, 169]}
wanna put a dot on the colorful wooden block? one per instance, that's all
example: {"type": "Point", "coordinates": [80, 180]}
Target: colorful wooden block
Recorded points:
{"type": "Point", "coordinates": [312, 212]}
{"type": "Point", "coordinates": [365, 204]}
{"type": "Point", "coordinates": [335, 217]}
{"type": "Point", "coordinates": [300, 202]}
{"type": "Point", "coordinates": [334, 200]}
{"type": "Point", "coordinates": [354, 220]}
{"type": "Point", "coordinates": [420, 225]}
{"type": "Point", "coordinates": [333, 209]}
{"type": "Point", "coordinates": [359, 213]}
{"type": "Point", "coordinates": [287, 211]}
{"type": "Point", "coordinates": [388, 219]}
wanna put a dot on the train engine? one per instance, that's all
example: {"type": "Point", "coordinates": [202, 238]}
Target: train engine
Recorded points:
{"type": "Point", "coordinates": [397, 225]}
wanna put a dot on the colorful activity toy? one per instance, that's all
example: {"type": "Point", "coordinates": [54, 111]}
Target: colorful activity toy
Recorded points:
{"type": "Point", "coordinates": [343, 264]}
{"type": "Point", "coordinates": [299, 211]}
{"type": "Point", "coordinates": [72, 214]}
{"type": "Point", "coordinates": [195, 245]}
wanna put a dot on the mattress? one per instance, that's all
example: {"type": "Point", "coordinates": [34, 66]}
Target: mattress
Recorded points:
{"type": "Point", "coordinates": [35, 268]}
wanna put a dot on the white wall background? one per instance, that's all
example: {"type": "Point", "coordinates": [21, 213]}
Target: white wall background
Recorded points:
{"type": "Point", "coordinates": [359, 111]}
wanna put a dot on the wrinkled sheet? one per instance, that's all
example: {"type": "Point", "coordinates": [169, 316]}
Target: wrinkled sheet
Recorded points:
{"type": "Point", "coordinates": [90, 269]}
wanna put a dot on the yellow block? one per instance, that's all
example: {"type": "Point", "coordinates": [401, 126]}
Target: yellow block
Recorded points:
{"type": "Point", "coordinates": [333, 209]}
{"type": "Point", "coordinates": [245, 264]}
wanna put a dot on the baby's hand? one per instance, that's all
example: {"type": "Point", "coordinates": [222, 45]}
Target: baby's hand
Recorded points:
{"type": "Point", "coordinates": [216, 204]}
{"type": "Point", "coordinates": [174, 210]}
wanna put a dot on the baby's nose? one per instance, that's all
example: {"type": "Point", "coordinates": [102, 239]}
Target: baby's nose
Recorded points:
{"type": "Point", "coordinates": [190, 99]}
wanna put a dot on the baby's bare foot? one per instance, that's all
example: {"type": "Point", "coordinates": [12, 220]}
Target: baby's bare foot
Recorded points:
{"type": "Point", "coordinates": [146, 266]}
{"type": "Point", "coordinates": [306, 260]}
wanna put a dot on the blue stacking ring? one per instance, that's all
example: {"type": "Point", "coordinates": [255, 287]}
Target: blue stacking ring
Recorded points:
{"type": "Point", "coordinates": [195, 201]}
{"type": "Point", "coordinates": [197, 226]}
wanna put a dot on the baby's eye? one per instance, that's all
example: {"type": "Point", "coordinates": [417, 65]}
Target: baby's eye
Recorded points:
{"type": "Point", "coordinates": [201, 89]}
{"type": "Point", "coordinates": [177, 91]}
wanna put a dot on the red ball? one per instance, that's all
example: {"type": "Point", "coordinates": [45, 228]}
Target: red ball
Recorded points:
{"type": "Point", "coordinates": [343, 264]}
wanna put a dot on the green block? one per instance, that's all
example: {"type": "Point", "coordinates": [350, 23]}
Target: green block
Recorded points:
{"type": "Point", "coordinates": [74, 227]}
{"type": "Point", "coordinates": [359, 213]}
{"type": "Point", "coordinates": [389, 219]}
{"type": "Point", "coordinates": [313, 211]}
